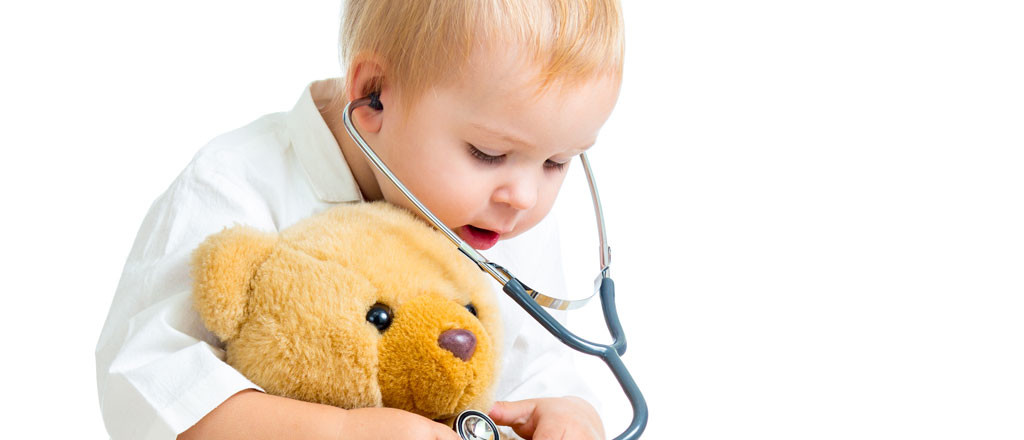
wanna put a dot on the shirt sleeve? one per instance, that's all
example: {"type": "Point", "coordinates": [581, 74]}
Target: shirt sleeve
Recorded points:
{"type": "Point", "coordinates": [158, 369]}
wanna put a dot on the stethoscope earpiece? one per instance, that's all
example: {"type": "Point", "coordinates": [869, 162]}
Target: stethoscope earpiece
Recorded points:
{"type": "Point", "coordinates": [375, 101]}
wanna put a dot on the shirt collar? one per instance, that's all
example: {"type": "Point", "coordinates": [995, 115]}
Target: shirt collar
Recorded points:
{"type": "Point", "coordinates": [319, 153]}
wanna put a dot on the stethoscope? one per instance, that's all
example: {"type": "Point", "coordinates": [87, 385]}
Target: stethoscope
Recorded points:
{"type": "Point", "coordinates": [475, 425]}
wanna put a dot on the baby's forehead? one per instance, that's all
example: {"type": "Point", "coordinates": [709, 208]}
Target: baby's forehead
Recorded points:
{"type": "Point", "coordinates": [501, 105]}
{"type": "Point", "coordinates": [510, 69]}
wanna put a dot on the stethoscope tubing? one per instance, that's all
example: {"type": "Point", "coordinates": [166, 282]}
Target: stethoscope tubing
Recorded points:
{"type": "Point", "coordinates": [610, 354]}
{"type": "Point", "coordinates": [534, 302]}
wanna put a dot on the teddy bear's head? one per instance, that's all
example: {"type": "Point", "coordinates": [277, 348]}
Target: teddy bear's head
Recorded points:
{"type": "Point", "coordinates": [363, 305]}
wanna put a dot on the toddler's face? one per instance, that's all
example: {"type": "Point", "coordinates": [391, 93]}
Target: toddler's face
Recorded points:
{"type": "Point", "coordinates": [488, 154]}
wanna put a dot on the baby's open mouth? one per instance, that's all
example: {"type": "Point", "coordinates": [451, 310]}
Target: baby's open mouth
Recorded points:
{"type": "Point", "coordinates": [478, 238]}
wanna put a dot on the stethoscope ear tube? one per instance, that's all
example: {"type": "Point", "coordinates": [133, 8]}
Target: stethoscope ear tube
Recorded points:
{"type": "Point", "coordinates": [610, 354]}
{"type": "Point", "coordinates": [611, 316]}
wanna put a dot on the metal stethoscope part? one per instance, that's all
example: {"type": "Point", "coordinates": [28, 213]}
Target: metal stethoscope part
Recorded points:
{"type": "Point", "coordinates": [532, 300]}
{"type": "Point", "coordinates": [475, 425]}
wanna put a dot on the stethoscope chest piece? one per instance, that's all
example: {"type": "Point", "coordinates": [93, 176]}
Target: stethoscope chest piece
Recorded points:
{"type": "Point", "coordinates": [475, 425]}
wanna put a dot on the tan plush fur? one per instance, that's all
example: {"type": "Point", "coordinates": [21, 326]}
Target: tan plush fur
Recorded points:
{"type": "Point", "coordinates": [291, 309]}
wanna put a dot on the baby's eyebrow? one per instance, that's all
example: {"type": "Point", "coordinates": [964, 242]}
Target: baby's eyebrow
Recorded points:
{"type": "Point", "coordinates": [508, 137]}
{"type": "Point", "coordinates": [513, 139]}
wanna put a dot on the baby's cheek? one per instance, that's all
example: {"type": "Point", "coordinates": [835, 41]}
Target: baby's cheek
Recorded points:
{"type": "Point", "coordinates": [460, 205]}
{"type": "Point", "coordinates": [532, 219]}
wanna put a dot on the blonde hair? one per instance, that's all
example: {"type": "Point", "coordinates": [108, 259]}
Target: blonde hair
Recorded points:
{"type": "Point", "coordinates": [422, 43]}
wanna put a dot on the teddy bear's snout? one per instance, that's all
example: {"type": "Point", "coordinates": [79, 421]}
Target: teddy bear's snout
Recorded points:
{"type": "Point", "coordinates": [462, 343]}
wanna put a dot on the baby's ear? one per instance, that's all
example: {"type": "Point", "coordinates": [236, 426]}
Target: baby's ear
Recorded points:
{"type": "Point", "coordinates": [223, 267]}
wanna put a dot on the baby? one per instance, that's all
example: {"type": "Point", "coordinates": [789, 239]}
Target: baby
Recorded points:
{"type": "Point", "coordinates": [482, 106]}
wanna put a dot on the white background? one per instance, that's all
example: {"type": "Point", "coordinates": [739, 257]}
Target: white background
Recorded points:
{"type": "Point", "coordinates": [817, 208]}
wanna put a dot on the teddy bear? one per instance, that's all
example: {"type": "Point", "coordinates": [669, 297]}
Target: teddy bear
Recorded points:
{"type": "Point", "coordinates": [362, 305]}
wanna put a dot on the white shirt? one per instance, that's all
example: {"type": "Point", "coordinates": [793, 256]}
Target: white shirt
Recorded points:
{"type": "Point", "coordinates": [159, 370]}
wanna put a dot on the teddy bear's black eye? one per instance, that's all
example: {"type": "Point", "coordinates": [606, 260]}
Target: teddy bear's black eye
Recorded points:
{"type": "Point", "coordinates": [471, 308]}
{"type": "Point", "coordinates": [380, 316]}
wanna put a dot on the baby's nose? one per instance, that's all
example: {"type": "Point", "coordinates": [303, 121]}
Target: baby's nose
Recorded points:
{"type": "Point", "coordinates": [462, 343]}
{"type": "Point", "coordinates": [520, 195]}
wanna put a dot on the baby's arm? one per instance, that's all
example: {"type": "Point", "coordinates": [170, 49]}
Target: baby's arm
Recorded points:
{"type": "Point", "coordinates": [251, 414]}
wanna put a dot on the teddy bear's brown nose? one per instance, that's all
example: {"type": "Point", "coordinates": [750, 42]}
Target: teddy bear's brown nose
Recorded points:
{"type": "Point", "coordinates": [462, 343]}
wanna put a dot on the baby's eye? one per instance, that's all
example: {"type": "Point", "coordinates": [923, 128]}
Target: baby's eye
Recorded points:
{"type": "Point", "coordinates": [559, 166]}
{"type": "Point", "coordinates": [484, 157]}
{"type": "Point", "coordinates": [494, 160]}
{"type": "Point", "coordinates": [380, 316]}
{"type": "Point", "coordinates": [471, 308]}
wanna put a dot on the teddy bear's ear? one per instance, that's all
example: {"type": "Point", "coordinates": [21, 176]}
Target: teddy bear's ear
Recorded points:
{"type": "Point", "coordinates": [222, 268]}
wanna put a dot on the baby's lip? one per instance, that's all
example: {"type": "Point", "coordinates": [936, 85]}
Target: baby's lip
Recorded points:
{"type": "Point", "coordinates": [477, 237]}
{"type": "Point", "coordinates": [494, 230]}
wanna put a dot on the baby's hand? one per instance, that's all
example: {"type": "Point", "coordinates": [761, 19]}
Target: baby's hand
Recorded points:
{"type": "Point", "coordinates": [569, 418]}
{"type": "Point", "coordinates": [389, 423]}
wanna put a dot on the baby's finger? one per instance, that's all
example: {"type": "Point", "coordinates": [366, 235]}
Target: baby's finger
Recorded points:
{"type": "Point", "coordinates": [520, 416]}
{"type": "Point", "coordinates": [508, 413]}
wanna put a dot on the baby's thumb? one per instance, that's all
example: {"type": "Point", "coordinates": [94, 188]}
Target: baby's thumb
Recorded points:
{"type": "Point", "coordinates": [517, 415]}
